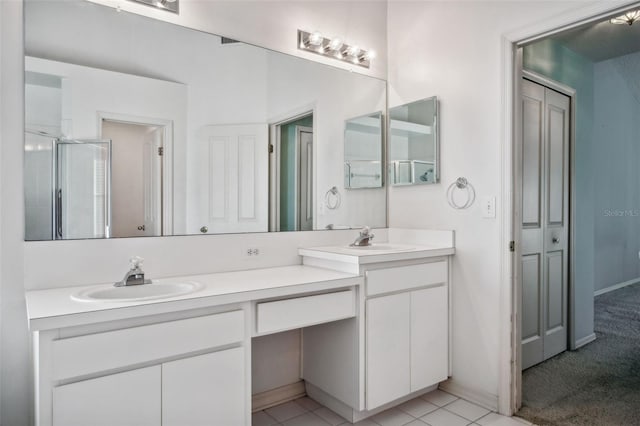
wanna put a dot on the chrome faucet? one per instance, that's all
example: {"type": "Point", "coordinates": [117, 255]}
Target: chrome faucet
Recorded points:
{"type": "Point", "coordinates": [135, 275]}
{"type": "Point", "coordinates": [364, 239]}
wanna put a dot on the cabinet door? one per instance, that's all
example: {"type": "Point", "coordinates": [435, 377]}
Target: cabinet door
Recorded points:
{"type": "Point", "coordinates": [131, 398]}
{"type": "Point", "coordinates": [429, 337]}
{"type": "Point", "coordinates": [205, 390]}
{"type": "Point", "coordinates": [388, 322]}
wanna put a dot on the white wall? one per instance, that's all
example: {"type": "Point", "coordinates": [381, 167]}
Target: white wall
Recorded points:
{"type": "Point", "coordinates": [271, 24]}
{"type": "Point", "coordinates": [274, 24]}
{"type": "Point", "coordinates": [615, 167]}
{"type": "Point", "coordinates": [454, 50]}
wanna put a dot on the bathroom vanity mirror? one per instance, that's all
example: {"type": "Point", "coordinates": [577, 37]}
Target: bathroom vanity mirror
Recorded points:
{"type": "Point", "coordinates": [144, 128]}
{"type": "Point", "coordinates": [413, 143]}
{"type": "Point", "coordinates": [363, 151]}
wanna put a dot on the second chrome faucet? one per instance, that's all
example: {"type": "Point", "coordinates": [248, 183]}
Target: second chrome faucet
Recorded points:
{"type": "Point", "coordinates": [364, 239]}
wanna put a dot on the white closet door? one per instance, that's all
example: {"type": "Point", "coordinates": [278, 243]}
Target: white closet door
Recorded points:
{"type": "Point", "coordinates": [205, 390]}
{"type": "Point", "coordinates": [545, 222]}
{"type": "Point", "coordinates": [131, 398]}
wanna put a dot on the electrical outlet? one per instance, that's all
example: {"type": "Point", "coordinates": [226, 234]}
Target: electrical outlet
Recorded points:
{"type": "Point", "coordinates": [489, 207]}
{"type": "Point", "coordinates": [253, 252]}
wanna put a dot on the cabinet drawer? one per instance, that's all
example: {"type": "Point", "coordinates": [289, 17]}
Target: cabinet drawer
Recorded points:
{"type": "Point", "coordinates": [299, 312]}
{"type": "Point", "coordinates": [93, 353]}
{"type": "Point", "coordinates": [402, 278]}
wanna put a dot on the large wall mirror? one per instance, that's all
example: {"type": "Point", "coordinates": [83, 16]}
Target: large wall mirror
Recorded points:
{"type": "Point", "coordinates": [414, 143]}
{"type": "Point", "coordinates": [137, 127]}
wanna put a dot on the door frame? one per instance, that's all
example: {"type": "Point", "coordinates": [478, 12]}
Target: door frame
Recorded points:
{"type": "Point", "coordinates": [167, 158]}
{"type": "Point", "coordinates": [509, 383]}
{"type": "Point", "coordinates": [299, 189]}
{"type": "Point", "coordinates": [275, 125]}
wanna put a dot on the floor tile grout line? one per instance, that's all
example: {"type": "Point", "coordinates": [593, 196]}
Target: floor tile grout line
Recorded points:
{"type": "Point", "coordinates": [466, 418]}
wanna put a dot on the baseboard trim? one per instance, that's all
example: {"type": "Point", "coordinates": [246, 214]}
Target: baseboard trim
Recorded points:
{"type": "Point", "coordinates": [277, 396]}
{"type": "Point", "coordinates": [616, 286]}
{"type": "Point", "coordinates": [585, 340]}
{"type": "Point", "coordinates": [485, 399]}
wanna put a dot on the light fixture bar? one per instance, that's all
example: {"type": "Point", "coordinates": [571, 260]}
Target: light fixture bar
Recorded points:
{"type": "Point", "coordinates": [628, 18]}
{"type": "Point", "coordinates": [334, 48]}
{"type": "Point", "coordinates": [168, 5]}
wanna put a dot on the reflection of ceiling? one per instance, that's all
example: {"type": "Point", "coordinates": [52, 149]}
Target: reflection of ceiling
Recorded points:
{"type": "Point", "coordinates": [602, 41]}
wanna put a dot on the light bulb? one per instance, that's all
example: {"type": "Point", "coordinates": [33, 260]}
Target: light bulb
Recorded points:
{"type": "Point", "coordinates": [315, 38]}
{"type": "Point", "coordinates": [353, 50]}
{"type": "Point", "coordinates": [370, 55]}
{"type": "Point", "coordinates": [335, 44]}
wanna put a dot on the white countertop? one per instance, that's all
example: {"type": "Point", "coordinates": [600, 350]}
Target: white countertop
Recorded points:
{"type": "Point", "coordinates": [54, 308]}
{"type": "Point", "coordinates": [378, 252]}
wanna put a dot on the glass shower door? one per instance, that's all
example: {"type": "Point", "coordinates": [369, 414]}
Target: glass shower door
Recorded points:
{"type": "Point", "coordinates": [83, 189]}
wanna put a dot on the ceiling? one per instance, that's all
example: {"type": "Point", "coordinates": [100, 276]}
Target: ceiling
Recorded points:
{"type": "Point", "coordinates": [602, 41]}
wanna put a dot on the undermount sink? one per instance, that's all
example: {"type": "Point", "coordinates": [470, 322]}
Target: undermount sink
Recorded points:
{"type": "Point", "coordinates": [155, 290]}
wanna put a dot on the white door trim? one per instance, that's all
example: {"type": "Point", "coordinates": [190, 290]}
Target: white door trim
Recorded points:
{"type": "Point", "coordinates": [167, 158]}
{"type": "Point", "coordinates": [275, 124]}
{"type": "Point", "coordinates": [508, 386]}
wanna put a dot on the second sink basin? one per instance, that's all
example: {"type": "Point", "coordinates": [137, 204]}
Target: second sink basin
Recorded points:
{"type": "Point", "coordinates": [155, 290]}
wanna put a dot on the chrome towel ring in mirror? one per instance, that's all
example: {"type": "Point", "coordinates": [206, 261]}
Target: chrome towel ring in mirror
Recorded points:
{"type": "Point", "coordinates": [332, 198]}
{"type": "Point", "coordinates": [462, 184]}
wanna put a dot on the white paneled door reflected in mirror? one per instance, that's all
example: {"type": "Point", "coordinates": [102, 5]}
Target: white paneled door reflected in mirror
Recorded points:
{"type": "Point", "coordinates": [128, 136]}
{"type": "Point", "coordinates": [414, 143]}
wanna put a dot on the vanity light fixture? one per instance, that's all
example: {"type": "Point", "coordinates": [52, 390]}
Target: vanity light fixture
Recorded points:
{"type": "Point", "coordinates": [334, 48]}
{"type": "Point", "coordinates": [628, 18]}
{"type": "Point", "coordinates": [169, 5]}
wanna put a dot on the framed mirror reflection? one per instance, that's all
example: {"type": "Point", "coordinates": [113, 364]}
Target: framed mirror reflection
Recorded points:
{"type": "Point", "coordinates": [146, 128]}
{"type": "Point", "coordinates": [414, 143]}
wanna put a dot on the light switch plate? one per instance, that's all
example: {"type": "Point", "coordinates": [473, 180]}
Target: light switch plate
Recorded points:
{"type": "Point", "coordinates": [489, 207]}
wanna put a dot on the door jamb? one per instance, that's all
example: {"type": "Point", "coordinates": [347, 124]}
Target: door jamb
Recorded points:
{"type": "Point", "coordinates": [275, 126]}
{"type": "Point", "coordinates": [299, 189]}
{"type": "Point", "coordinates": [167, 158]}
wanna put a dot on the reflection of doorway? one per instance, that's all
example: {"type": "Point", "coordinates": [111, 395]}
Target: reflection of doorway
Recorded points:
{"type": "Point", "coordinates": [136, 177]}
{"type": "Point", "coordinates": [291, 197]}
{"type": "Point", "coordinates": [546, 130]}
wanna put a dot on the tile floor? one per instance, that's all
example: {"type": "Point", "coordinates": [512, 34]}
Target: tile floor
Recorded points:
{"type": "Point", "coordinates": [436, 408]}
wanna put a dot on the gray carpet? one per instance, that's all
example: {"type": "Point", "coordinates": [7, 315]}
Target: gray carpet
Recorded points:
{"type": "Point", "coordinates": [599, 384]}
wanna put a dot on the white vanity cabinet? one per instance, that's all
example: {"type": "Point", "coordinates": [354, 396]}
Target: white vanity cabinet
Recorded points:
{"type": "Point", "coordinates": [401, 332]}
{"type": "Point", "coordinates": [406, 316]}
{"type": "Point", "coordinates": [406, 343]}
{"type": "Point", "coordinates": [187, 371]}
{"type": "Point", "coordinates": [190, 391]}
{"type": "Point", "coordinates": [204, 390]}
{"type": "Point", "coordinates": [128, 398]}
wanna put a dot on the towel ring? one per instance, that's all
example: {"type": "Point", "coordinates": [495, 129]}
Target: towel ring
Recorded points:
{"type": "Point", "coordinates": [463, 184]}
{"type": "Point", "coordinates": [332, 198]}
